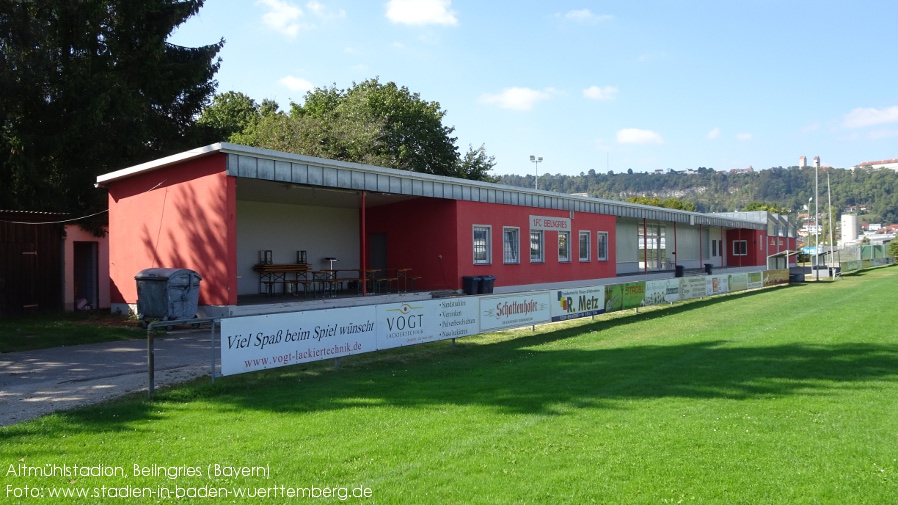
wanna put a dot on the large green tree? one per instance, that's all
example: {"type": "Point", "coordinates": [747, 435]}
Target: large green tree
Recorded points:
{"type": "Point", "coordinates": [371, 122]}
{"type": "Point", "coordinates": [89, 86]}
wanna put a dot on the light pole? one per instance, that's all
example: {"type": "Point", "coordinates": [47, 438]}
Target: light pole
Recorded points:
{"type": "Point", "coordinates": [536, 161]}
{"type": "Point", "coordinates": [816, 219]}
{"type": "Point", "coordinates": [810, 199]}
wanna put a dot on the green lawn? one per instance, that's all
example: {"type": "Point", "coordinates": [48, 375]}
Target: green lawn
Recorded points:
{"type": "Point", "coordinates": [783, 396]}
{"type": "Point", "coordinates": [69, 328]}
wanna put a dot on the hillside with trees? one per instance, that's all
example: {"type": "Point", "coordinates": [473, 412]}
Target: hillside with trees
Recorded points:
{"type": "Point", "coordinates": [874, 192]}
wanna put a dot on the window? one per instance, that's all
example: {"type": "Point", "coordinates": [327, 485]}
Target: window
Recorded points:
{"type": "Point", "coordinates": [511, 245]}
{"type": "Point", "coordinates": [740, 248]}
{"type": "Point", "coordinates": [584, 246]}
{"type": "Point", "coordinates": [602, 246]}
{"type": "Point", "coordinates": [714, 248]}
{"type": "Point", "coordinates": [564, 246]}
{"type": "Point", "coordinates": [481, 245]}
{"type": "Point", "coordinates": [536, 246]}
{"type": "Point", "coordinates": [652, 247]}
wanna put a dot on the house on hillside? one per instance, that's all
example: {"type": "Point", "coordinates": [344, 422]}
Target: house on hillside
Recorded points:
{"type": "Point", "coordinates": [223, 209]}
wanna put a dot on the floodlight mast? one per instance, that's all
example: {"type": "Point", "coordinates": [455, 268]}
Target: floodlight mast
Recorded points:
{"type": "Point", "coordinates": [536, 160]}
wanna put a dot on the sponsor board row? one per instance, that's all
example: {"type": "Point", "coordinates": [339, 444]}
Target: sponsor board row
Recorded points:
{"type": "Point", "coordinates": [264, 341]}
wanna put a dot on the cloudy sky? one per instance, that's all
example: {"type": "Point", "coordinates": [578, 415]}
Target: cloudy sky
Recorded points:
{"type": "Point", "coordinates": [592, 85]}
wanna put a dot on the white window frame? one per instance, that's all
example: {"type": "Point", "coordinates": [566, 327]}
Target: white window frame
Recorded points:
{"type": "Point", "coordinates": [537, 248]}
{"type": "Point", "coordinates": [584, 235]}
{"type": "Point", "coordinates": [564, 253]}
{"type": "Point", "coordinates": [487, 259]}
{"type": "Point", "coordinates": [740, 251]}
{"type": "Point", "coordinates": [601, 240]}
{"type": "Point", "coordinates": [511, 250]}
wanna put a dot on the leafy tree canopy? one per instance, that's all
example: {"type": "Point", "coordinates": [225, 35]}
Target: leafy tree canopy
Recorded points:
{"type": "Point", "coordinates": [668, 203]}
{"type": "Point", "coordinates": [89, 86]}
{"type": "Point", "coordinates": [371, 122]}
{"type": "Point", "coordinates": [770, 207]}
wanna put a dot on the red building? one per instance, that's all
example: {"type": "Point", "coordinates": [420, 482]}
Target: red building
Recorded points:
{"type": "Point", "coordinates": [213, 210]}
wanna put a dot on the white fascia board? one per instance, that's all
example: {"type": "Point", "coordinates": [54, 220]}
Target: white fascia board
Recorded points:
{"type": "Point", "coordinates": [149, 166]}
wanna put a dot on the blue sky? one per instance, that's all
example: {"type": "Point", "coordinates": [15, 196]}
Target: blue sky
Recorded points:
{"type": "Point", "coordinates": [611, 85]}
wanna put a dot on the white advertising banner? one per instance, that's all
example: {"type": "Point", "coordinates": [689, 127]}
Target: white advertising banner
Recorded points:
{"type": "Point", "coordinates": [514, 310]}
{"type": "Point", "coordinates": [692, 287]}
{"type": "Point", "coordinates": [738, 282]}
{"type": "Point", "coordinates": [273, 340]}
{"type": "Point", "coordinates": [410, 323]}
{"type": "Point", "coordinates": [661, 291]}
{"type": "Point", "coordinates": [755, 280]}
{"type": "Point", "coordinates": [578, 302]}
{"type": "Point", "coordinates": [717, 284]}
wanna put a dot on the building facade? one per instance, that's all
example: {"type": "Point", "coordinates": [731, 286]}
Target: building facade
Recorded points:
{"type": "Point", "coordinates": [213, 210]}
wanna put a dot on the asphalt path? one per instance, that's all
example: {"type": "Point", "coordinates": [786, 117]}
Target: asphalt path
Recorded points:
{"type": "Point", "coordinates": [35, 383]}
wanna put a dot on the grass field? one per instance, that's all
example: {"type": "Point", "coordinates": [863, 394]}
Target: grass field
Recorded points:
{"type": "Point", "coordinates": [784, 396]}
{"type": "Point", "coordinates": [65, 328]}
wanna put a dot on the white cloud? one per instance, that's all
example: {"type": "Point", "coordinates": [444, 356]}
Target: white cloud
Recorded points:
{"type": "Point", "coordinates": [713, 134]}
{"type": "Point", "coordinates": [296, 83]}
{"type": "Point", "coordinates": [883, 134]}
{"type": "Point", "coordinates": [323, 12]}
{"type": "Point", "coordinates": [421, 12]}
{"type": "Point", "coordinates": [743, 136]}
{"type": "Point", "coordinates": [637, 136]}
{"type": "Point", "coordinates": [600, 93]}
{"type": "Point", "coordinates": [282, 16]}
{"type": "Point", "coordinates": [516, 98]}
{"type": "Point", "coordinates": [861, 117]}
{"type": "Point", "coordinates": [584, 15]}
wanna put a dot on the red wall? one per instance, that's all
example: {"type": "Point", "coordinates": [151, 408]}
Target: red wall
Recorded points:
{"type": "Point", "coordinates": [420, 231]}
{"type": "Point", "coordinates": [182, 216]}
{"type": "Point", "coordinates": [757, 249]}
{"type": "Point", "coordinates": [421, 235]}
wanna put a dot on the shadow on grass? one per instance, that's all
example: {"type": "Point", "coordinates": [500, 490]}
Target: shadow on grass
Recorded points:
{"type": "Point", "coordinates": [529, 374]}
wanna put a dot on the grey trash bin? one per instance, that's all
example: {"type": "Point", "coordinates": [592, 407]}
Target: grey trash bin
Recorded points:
{"type": "Point", "coordinates": [167, 294]}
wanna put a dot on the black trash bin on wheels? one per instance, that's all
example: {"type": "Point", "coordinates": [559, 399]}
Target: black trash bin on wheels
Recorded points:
{"type": "Point", "coordinates": [470, 285]}
{"type": "Point", "coordinates": [708, 268]}
{"type": "Point", "coordinates": [679, 271]}
{"type": "Point", "coordinates": [486, 284]}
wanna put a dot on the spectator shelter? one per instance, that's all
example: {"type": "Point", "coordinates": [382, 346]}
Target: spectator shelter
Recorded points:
{"type": "Point", "coordinates": [227, 210]}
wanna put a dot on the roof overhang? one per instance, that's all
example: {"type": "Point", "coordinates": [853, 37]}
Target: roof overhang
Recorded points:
{"type": "Point", "coordinates": [308, 171]}
{"type": "Point", "coordinates": [783, 254]}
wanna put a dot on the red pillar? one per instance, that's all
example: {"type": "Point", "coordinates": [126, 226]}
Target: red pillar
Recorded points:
{"type": "Point", "coordinates": [363, 245]}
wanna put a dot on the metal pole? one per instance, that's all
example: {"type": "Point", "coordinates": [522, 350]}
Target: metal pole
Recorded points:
{"type": "Point", "coordinates": [151, 360]}
{"type": "Point", "coordinates": [816, 221]}
{"type": "Point", "coordinates": [212, 345]}
{"type": "Point", "coordinates": [832, 237]}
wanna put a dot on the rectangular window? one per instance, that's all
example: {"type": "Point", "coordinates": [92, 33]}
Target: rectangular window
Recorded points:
{"type": "Point", "coordinates": [584, 246]}
{"type": "Point", "coordinates": [481, 245]}
{"type": "Point", "coordinates": [714, 248]}
{"type": "Point", "coordinates": [740, 248]}
{"type": "Point", "coordinates": [536, 246]}
{"type": "Point", "coordinates": [564, 246]}
{"type": "Point", "coordinates": [601, 246]}
{"type": "Point", "coordinates": [511, 245]}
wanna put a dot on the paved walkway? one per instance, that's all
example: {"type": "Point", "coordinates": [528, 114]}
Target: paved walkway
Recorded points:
{"type": "Point", "coordinates": [34, 383]}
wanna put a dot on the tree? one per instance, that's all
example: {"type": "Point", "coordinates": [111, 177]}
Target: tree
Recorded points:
{"type": "Point", "coordinates": [231, 113]}
{"type": "Point", "coordinates": [893, 248]}
{"type": "Point", "coordinates": [374, 123]}
{"type": "Point", "coordinates": [91, 86]}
